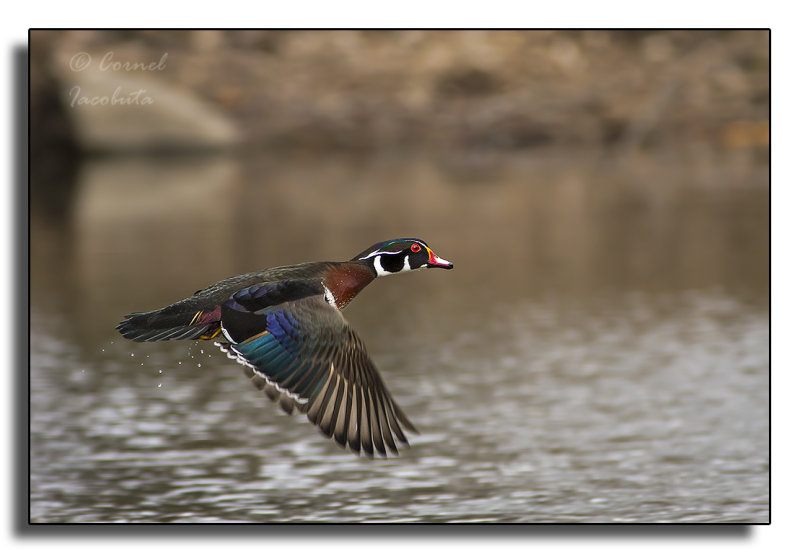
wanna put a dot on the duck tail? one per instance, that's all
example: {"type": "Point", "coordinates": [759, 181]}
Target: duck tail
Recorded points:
{"type": "Point", "coordinates": [175, 322]}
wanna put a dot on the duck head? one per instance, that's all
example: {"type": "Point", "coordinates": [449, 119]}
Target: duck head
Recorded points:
{"type": "Point", "coordinates": [400, 255]}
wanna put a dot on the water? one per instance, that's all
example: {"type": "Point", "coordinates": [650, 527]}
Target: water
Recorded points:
{"type": "Point", "coordinates": [600, 353]}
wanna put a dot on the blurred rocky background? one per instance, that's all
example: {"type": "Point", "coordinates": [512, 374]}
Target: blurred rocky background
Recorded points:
{"type": "Point", "coordinates": [480, 89]}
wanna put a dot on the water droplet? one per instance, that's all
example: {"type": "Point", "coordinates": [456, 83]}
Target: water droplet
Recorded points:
{"type": "Point", "coordinates": [159, 385]}
{"type": "Point", "coordinates": [161, 371]}
{"type": "Point", "coordinates": [132, 354]}
{"type": "Point", "coordinates": [199, 365]}
{"type": "Point", "coordinates": [179, 363]}
{"type": "Point", "coordinates": [201, 350]}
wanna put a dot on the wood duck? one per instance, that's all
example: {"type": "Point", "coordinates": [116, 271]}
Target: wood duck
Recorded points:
{"type": "Point", "coordinates": [286, 327]}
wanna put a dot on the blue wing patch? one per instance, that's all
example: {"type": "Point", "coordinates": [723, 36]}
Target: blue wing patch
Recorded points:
{"type": "Point", "coordinates": [268, 337]}
{"type": "Point", "coordinates": [244, 314]}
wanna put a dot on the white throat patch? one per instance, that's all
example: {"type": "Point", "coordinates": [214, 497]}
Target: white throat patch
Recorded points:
{"type": "Point", "coordinates": [376, 262]}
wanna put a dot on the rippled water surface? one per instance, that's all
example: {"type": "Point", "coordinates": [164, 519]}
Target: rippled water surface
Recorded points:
{"type": "Point", "coordinates": [600, 353]}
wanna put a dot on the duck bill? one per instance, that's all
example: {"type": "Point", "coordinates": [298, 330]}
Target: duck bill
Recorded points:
{"type": "Point", "coordinates": [436, 261]}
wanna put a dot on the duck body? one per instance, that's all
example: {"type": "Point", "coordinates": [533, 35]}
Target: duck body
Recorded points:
{"type": "Point", "coordinates": [285, 326]}
{"type": "Point", "coordinates": [199, 316]}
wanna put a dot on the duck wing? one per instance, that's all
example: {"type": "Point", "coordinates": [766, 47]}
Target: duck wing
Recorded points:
{"type": "Point", "coordinates": [291, 338]}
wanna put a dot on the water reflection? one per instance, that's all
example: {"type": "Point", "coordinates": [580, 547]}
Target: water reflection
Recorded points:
{"type": "Point", "coordinates": [600, 352]}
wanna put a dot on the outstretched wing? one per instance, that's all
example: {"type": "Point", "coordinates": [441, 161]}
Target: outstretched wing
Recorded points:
{"type": "Point", "coordinates": [293, 339]}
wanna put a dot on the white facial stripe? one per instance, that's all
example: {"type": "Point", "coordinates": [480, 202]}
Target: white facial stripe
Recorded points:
{"type": "Point", "coordinates": [376, 253]}
{"type": "Point", "coordinates": [379, 252]}
{"type": "Point", "coordinates": [379, 268]}
{"type": "Point", "coordinates": [406, 265]}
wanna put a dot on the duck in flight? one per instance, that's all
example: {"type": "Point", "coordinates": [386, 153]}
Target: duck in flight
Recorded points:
{"type": "Point", "coordinates": [285, 326]}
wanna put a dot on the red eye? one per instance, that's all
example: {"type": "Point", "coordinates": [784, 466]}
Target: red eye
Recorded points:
{"type": "Point", "coordinates": [415, 248]}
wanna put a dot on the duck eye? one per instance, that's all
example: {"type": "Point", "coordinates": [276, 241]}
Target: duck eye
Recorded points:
{"type": "Point", "coordinates": [415, 248]}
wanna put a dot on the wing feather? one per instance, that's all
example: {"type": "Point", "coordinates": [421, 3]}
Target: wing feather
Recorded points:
{"type": "Point", "coordinates": [375, 425]}
{"type": "Point", "coordinates": [384, 425]}
{"type": "Point", "coordinates": [366, 439]}
{"type": "Point", "coordinates": [353, 431]}
{"type": "Point", "coordinates": [329, 415]}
